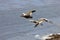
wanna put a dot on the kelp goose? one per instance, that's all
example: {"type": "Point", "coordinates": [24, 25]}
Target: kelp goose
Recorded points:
{"type": "Point", "coordinates": [28, 14]}
{"type": "Point", "coordinates": [40, 21]}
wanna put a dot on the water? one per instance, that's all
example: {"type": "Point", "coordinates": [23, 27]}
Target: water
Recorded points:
{"type": "Point", "coordinates": [13, 27]}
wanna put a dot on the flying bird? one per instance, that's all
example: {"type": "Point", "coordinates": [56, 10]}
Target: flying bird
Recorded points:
{"type": "Point", "coordinates": [28, 14]}
{"type": "Point", "coordinates": [40, 21]}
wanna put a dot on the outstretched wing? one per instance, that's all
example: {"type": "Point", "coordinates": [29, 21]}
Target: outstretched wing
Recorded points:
{"type": "Point", "coordinates": [34, 21]}
{"type": "Point", "coordinates": [30, 12]}
{"type": "Point", "coordinates": [36, 25]}
{"type": "Point", "coordinates": [40, 20]}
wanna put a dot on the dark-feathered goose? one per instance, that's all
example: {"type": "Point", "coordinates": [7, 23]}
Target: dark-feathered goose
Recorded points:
{"type": "Point", "coordinates": [28, 14]}
{"type": "Point", "coordinates": [40, 21]}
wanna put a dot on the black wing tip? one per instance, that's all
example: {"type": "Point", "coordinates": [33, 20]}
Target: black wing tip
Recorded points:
{"type": "Point", "coordinates": [33, 11]}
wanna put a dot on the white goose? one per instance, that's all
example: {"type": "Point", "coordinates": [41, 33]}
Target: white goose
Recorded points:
{"type": "Point", "coordinates": [40, 21]}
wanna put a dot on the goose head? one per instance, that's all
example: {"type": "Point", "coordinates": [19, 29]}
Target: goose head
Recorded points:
{"type": "Point", "coordinates": [23, 14]}
{"type": "Point", "coordinates": [46, 20]}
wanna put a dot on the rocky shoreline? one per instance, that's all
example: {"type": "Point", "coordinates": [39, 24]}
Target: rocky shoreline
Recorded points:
{"type": "Point", "coordinates": [53, 37]}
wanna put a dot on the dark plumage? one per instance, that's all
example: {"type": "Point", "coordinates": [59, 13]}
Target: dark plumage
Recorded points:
{"type": "Point", "coordinates": [28, 14]}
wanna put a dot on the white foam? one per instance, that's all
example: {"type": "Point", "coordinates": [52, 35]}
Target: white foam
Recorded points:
{"type": "Point", "coordinates": [43, 37]}
{"type": "Point", "coordinates": [37, 36]}
{"type": "Point", "coordinates": [47, 36]}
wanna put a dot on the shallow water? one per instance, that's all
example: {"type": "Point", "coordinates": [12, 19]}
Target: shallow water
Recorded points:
{"type": "Point", "coordinates": [13, 27]}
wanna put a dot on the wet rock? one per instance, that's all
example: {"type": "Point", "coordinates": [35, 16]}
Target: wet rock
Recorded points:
{"type": "Point", "coordinates": [54, 37]}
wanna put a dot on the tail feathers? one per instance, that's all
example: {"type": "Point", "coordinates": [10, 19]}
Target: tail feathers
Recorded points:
{"type": "Point", "coordinates": [37, 25]}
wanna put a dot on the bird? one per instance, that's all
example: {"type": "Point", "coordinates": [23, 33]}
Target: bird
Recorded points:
{"type": "Point", "coordinates": [28, 14]}
{"type": "Point", "coordinates": [40, 21]}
